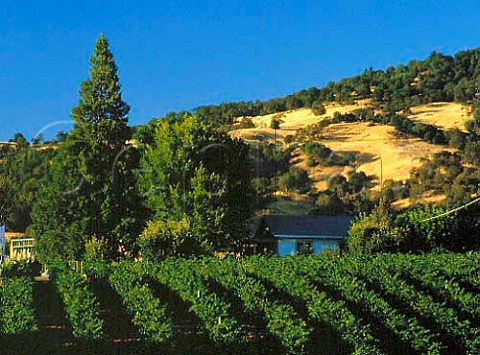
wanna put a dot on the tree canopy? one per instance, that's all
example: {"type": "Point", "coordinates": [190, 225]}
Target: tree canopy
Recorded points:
{"type": "Point", "coordinates": [197, 183]}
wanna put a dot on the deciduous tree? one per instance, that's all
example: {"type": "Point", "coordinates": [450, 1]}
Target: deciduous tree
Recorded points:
{"type": "Point", "coordinates": [197, 183]}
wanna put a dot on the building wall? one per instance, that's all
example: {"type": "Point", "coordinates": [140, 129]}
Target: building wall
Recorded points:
{"type": "Point", "coordinates": [325, 245]}
{"type": "Point", "coordinates": [286, 247]}
{"type": "Point", "coordinates": [3, 242]}
{"type": "Point", "coordinates": [291, 247]}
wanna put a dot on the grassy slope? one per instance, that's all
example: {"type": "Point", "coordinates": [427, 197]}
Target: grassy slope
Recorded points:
{"type": "Point", "coordinates": [367, 141]}
{"type": "Point", "coordinates": [444, 115]}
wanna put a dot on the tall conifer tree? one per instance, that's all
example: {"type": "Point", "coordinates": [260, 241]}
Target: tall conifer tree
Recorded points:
{"type": "Point", "coordinates": [89, 197]}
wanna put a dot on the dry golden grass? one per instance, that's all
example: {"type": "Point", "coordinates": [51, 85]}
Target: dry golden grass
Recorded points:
{"type": "Point", "coordinates": [36, 147]}
{"type": "Point", "coordinates": [261, 135]}
{"type": "Point", "coordinates": [407, 202]}
{"type": "Point", "coordinates": [299, 118]}
{"type": "Point", "coordinates": [292, 121]}
{"type": "Point", "coordinates": [367, 141]}
{"type": "Point", "coordinates": [398, 155]}
{"type": "Point", "coordinates": [444, 115]}
{"type": "Point", "coordinates": [380, 147]}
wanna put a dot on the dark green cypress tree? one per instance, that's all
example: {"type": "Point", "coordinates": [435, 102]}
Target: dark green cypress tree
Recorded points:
{"type": "Point", "coordinates": [90, 193]}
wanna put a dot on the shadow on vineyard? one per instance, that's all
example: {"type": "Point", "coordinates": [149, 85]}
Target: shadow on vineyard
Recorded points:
{"type": "Point", "coordinates": [390, 342]}
{"type": "Point", "coordinates": [378, 304]}
{"type": "Point", "coordinates": [187, 332]}
{"type": "Point", "coordinates": [119, 330]}
{"type": "Point", "coordinates": [54, 333]}
{"type": "Point", "coordinates": [448, 340]}
{"type": "Point", "coordinates": [442, 297]}
{"type": "Point", "coordinates": [324, 339]}
{"type": "Point", "coordinates": [254, 326]}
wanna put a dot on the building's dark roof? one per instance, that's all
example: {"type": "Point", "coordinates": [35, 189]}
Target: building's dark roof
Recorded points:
{"type": "Point", "coordinates": [307, 226]}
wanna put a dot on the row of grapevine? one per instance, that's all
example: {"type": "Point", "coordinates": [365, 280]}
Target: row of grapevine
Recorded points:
{"type": "Point", "coordinates": [80, 303]}
{"type": "Point", "coordinates": [425, 305]}
{"type": "Point", "coordinates": [149, 314]}
{"type": "Point", "coordinates": [179, 276]}
{"type": "Point", "coordinates": [282, 320]}
{"type": "Point", "coordinates": [16, 305]}
{"type": "Point", "coordinates": [320, 306]}
{"type": "Point", "coordinates": [422, 271]}
{"type": "Point", "coordinates": [335, 273]}
{"type": "Point", "coordinates": [459, 267]}
{"type": "Point", "coordinates": [380, 304]}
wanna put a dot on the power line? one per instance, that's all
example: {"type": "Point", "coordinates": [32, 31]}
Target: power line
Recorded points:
{"type": "Point", "coordinates": [452, 210]}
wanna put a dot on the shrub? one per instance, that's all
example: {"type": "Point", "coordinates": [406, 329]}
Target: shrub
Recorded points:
{"type": "Point", "coordinates": [164, 238]}
{"type": "Point", "coordinates": [289, 139]}
{"type": "Point", "coordinates": [275, 123]}
{"type": "Point", "coordinates": [328, 204]}
{"type": "Point", "coordinates": [294, 179]}
{"type": "Point", "coordinates": [246, 123]}
{"type": "Point", "coordinates": [421, 229]}
{"type": "Point", "coordinates": [318, 154]}
{"type": "Point", "coordinates": [373, 233]}
{"type": "Point", "coordinates": [456, 138]}
{"type": "Point", "coordinates": [421, 233]}
{"type": "Point", "coordinates": [318, 109]}
{"type": "Point", "coordinates": [346, 117]}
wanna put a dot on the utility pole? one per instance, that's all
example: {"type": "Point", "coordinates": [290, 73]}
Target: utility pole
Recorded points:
{"type": "Point", "coordinates": [382, 202]}
{"type": "Point", "coordinates": [275, 167]}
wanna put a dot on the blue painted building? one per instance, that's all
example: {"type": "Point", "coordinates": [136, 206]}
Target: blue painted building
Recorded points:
{"type": "Point", "coordinates": [301, 234]}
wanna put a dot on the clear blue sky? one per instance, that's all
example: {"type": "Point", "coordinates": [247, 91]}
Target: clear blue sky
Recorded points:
{"type": "Point", "coordinates": [182, 54]}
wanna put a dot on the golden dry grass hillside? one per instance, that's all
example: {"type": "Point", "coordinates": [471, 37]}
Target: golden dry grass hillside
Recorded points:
{"type": "Point", "coordinates": [444, 115]}
{"type": "Point", "coordinates": [42, 146]}
{"type": "Point", "coordinates": [303, 117]}
{"type": "Point", "coordinates": [377, 148]}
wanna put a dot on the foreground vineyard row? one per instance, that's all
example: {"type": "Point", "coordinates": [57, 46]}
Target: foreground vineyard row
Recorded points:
{"type": "Point", "coordinates": [385, 304]}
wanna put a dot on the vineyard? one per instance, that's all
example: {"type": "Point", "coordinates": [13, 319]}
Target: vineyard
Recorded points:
{"type": "Point", "coordinates": [383, 304]}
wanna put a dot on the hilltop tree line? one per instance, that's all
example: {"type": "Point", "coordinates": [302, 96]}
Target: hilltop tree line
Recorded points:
{"type": "Point", "coordinates": [437, 78]}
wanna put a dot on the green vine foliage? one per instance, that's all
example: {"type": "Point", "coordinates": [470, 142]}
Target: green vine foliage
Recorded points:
{"type": "Point", "coordinates": [148, 312]}
{"type": "Point", "coordinates": [80, 304]}
{"type": "Point", "coordinates": [16, 306]}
